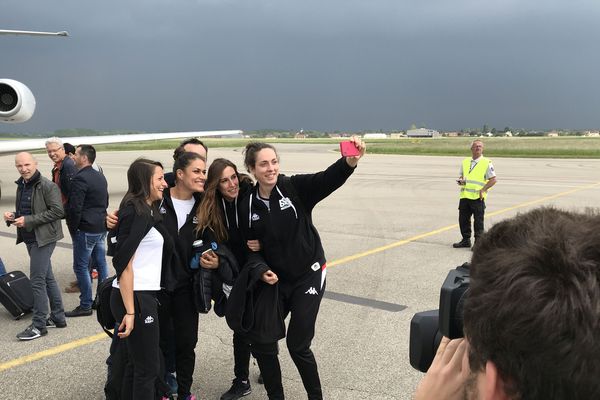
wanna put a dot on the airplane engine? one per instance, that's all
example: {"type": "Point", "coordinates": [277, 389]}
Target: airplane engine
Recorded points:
{"type": "Point", "coordinates": [17, 103]}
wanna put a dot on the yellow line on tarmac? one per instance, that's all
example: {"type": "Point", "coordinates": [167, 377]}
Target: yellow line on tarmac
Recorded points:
{"type": "Point", "coordinates": [91, 339]}
{"type": "Point", "coordinates": [52, 351]}
{"type": "Point", "coordinates": [446, 228]}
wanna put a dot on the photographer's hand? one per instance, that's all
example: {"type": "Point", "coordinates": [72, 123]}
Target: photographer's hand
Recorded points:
{"type": "Point", "coordinates": [446, 378]}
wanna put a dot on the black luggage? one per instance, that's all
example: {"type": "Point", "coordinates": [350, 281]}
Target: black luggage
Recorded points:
{"type": "Point", "coordinates": [16, 293]}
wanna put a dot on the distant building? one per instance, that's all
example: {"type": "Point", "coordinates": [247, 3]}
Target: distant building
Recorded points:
{"type": "Point", "coordinates": [552, 134]}
{"type": "Point", "coordinates": [592, 134]}
{"type": "Point", "coordinates": [422, 132]}
{"type": "Point", "coordinates": [374, 136]}
{"type": "Point", "coordinates": [452, 134]}
{"type": "Point", "coordinates": [397, 135]}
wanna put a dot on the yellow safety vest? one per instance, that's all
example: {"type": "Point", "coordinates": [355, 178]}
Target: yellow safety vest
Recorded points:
{"type": "Point", "coordinates": [474, 179]}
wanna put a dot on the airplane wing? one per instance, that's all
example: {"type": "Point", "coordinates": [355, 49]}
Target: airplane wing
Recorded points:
{"type": "Point", "coordinates": [15, 146]}
{"type": "Point", "coordinates": [32, 33]}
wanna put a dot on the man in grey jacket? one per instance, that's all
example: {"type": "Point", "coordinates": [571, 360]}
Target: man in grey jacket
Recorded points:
{"type": "Point", "coordinates": [37, 218]}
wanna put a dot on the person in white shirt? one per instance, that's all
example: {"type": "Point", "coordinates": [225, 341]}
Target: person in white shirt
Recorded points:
{"type": "Point", "coordinates": [138, 261]}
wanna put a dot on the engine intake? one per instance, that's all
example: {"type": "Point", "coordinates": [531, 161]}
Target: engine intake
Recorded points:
{"type": "Point", "coordinates": [17, 103]}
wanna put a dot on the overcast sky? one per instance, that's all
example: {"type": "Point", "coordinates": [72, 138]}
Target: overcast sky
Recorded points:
{"type": "Point", "coordinates": [158, 65]}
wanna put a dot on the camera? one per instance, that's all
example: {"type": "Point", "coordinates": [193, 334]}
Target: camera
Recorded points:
{"type": "Point", "coordinates": [428, 327]}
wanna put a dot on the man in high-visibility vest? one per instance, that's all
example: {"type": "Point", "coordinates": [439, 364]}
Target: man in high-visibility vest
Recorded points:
{"type": "Point", "coordinates": [477, 176]}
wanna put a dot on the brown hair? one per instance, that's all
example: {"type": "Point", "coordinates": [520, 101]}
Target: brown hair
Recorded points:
{"type": "Point", "coordinates": [251, 150]}
{"type": "Point", "coordinates": [533, 307]}
{"type": "Point", "coordinates": [209, 213]}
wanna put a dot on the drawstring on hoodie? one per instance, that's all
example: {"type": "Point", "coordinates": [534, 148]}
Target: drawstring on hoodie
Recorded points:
{"type": "Point", "coordinates": [237, 222]}
{"type": "Point", "coordinates": [280, 194]}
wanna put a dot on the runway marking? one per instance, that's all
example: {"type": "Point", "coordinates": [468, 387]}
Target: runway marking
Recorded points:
{"type": "Point", "coordinates": [91, 339]}
{"type": "Point", "coordinates": [362, 301]}
{"type": "Point", "coordinates": [52, 351]}
{"type": "Point", "coordinates": [454, 226]}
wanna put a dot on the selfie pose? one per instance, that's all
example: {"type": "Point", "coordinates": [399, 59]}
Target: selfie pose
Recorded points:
{"type": "Point", "coordinates": [278, 213]}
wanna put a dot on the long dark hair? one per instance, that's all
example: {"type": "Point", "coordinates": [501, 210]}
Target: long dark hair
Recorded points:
{"type": "Point", "coordinates": [209, 215]}
{"type": "Point", "coordinates": [139, 178]}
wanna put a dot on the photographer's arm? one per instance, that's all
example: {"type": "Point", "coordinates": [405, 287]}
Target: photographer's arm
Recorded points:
{"type": "Point", "coordinates": [446, 378]}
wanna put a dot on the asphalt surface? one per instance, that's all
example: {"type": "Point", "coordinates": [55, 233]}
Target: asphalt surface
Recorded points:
{"type": "Point", "coordinates": [387, 234]}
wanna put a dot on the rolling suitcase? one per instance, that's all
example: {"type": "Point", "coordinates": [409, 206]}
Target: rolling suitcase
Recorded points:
{"type": "Point", "coordinates": [16, 294]}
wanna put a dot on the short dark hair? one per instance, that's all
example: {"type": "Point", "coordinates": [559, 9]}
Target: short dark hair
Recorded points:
{"type": "Point", "coordinates": [250, 153]}
{"type": "Point", "coordinates": [180, 149]}
{"type": "Point", "coordinates": [69, 148]}
{"type": "Point", "coordinates": [533, 306]}
{"type": "Point", "coordinates": [89, 151]}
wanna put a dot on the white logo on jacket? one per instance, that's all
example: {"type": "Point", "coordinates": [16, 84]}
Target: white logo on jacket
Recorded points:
{"type": "Point", "coordinates": [284, 203]}
{"type": "Point", "coordinates": [255, 217]}
{"type": "Point", "coordinates": [312, 291]}
{"type": "Point", "coordinates": [149, 320]}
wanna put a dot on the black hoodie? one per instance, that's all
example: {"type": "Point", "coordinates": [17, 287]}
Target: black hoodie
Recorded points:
{"type": "Point", "coordinates": [178, 272]}
{"type": "Point", "coordinates": [290, 244]}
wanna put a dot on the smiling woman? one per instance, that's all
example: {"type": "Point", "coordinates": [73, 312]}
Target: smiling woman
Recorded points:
{"type": "Point", "coordinates": [139, 250]}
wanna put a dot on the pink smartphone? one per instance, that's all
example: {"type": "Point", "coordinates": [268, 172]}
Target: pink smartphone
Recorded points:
{"type": "Point", "coordinates": [348, 149]}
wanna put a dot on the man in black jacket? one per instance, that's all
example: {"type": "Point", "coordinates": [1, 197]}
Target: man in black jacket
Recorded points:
{"type": "Point", "coordinates": [86, 214]}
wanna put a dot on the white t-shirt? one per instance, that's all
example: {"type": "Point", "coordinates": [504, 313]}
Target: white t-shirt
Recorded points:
{"type": "Point", "coordinates": [182, 209]}
{"type": "Point", "coordinates": [147, 262]}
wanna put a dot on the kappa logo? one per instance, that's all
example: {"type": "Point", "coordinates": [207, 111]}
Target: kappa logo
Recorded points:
{"type": "Point", "coordinates": [149, 320]}
{"type": "Point", "coordinates": [316, 266]}
{"type": "Point", "coordinates": [255, 217]}
{"type": "Point", "coordinates": [284, 203]}
{"type": "Point", "coordinates": [312, 291]}
{"type": "Point", "coordinates": [195, 220]}
{"type": "Point", "coordinates": [162, 210]}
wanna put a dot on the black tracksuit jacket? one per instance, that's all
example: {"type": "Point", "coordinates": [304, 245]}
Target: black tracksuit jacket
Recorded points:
{"type": "Point", "coordinates": [177, 272]}
{"type": "Point", "coordinates": [290, 243]}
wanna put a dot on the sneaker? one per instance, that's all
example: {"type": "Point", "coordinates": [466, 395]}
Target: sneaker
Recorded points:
{"type": "Point", "coordinates": [238, 390]}
{"type": "Point", "coordinates": [32, 333]}
{"type": "Point", "coordinates": [50, 323]}
{"type": "Point", "coordinates": [171, 381]}
{"type": "Point", "coordinates": [79, 312]}
{"type": "Point", "coordinates": [94, 274]}
{"type": "Point", "coordinates": [462, 243]}
{"type": "Point", "coordinates": [190, 397]}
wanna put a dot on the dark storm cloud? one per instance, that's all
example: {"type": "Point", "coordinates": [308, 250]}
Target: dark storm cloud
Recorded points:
{"type": "Point", "coordinates": [347, 65]}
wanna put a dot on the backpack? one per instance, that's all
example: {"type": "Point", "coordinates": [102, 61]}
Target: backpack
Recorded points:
{"type": "Point", "coordinates": [102, 305]}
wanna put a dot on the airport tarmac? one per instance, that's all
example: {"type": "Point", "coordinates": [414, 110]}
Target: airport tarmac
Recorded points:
{"type": "Point", "coordinates": [387, 235]}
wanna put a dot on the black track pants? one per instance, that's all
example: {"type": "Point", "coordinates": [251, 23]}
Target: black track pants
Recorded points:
{"type": "Point", "coordinates": [143, 359]}
{"type": "Point", "coordinates": [301, 300]}
{"type": "Point", "coordinates": [178, 309]}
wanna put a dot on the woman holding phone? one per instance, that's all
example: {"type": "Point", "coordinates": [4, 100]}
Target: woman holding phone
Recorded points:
{"type": "Point", "coordinates": [278, 212]}
{"type": "Point", "coordinates": [218, 215]}
{"type": "Point", "coordinates": [138, 262]}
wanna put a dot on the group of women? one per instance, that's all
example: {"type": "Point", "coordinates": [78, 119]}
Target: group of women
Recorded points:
{"type": "Point", "coordinates": [269, 221]}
